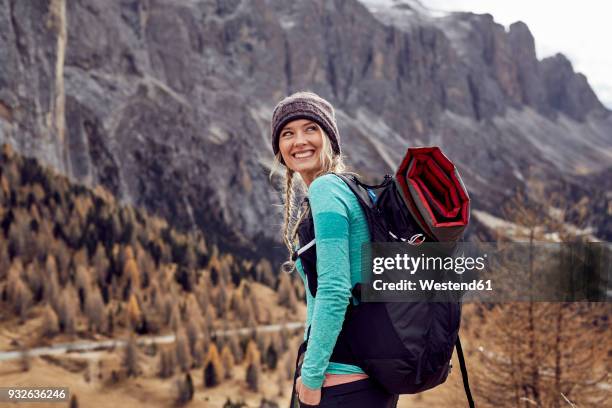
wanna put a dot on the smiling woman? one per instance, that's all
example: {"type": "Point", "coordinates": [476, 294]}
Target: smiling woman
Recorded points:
{"type": "Point", "coordinates": [301, 142]}
{"type": "Point", "coordinates": [305, 140]}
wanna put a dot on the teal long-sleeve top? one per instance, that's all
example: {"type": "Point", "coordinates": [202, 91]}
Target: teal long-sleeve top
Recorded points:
{"type": "Point", "coordinates": [340, 230]}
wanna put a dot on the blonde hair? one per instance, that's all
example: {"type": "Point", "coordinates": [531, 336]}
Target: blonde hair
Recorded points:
{"type": "Point", "coordinates": [330, 163]}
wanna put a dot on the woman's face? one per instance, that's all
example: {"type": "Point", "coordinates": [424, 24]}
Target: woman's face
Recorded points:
{"type": "Point", "coordinates": [300, 144]}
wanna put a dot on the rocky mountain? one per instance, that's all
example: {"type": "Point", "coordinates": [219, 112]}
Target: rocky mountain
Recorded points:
{"type": "Point", "coordinates": [167, 103]}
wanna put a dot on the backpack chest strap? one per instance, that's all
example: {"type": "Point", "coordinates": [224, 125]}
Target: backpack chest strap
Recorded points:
{"type": "Point", "coordinates": [302, 249]}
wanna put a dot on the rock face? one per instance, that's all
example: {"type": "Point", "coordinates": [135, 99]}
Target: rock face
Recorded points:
{"type": "Point", "coordinates": [167, 103]}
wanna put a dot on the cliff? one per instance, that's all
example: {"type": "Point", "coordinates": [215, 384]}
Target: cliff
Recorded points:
{"type": "Point", "coordinates": [167, 103]}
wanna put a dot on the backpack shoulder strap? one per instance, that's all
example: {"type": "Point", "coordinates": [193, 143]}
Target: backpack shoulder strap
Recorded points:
{"type": "Point", "coordinates": [464, 373]}
{"type": "Point", "coordinates": [357, 188]}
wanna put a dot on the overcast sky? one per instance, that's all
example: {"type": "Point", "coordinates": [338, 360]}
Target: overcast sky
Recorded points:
{"type": "Point", "coordinates": [582, 31]}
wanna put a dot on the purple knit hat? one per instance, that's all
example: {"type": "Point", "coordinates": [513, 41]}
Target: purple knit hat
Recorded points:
{"type": "Point", "coordinates": [305, 105]}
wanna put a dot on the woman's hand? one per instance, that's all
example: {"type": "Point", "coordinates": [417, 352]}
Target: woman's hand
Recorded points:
{"type": "Point", "coordinates": [307, 395]}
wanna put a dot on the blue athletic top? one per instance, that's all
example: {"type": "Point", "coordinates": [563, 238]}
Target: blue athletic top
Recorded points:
{"type": "Point", "coordinates": [340, 229]}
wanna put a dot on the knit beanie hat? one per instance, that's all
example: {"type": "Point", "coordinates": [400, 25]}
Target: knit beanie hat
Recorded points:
{"type": "Point", "coordinates": [305, 105]}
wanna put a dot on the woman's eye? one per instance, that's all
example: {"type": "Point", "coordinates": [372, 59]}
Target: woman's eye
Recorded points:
{"type": "Point", "coordinates": [310, 128]}
{"type": "Point", "coordinates": [286, 134]}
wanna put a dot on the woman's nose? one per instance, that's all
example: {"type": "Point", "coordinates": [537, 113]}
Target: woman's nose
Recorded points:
{"type": "Point", "coordinates": [300, 138]}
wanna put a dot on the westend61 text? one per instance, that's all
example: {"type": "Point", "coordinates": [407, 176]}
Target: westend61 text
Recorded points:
{"type": "Point", "coordinates": [429, 284]}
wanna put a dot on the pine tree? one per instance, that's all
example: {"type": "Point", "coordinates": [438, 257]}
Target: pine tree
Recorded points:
{"type": "Point", "coordinates": [197, 354]}
{"type": "Point", "coordinates": [289, 366]}
{"type": "Point", "coordinates": [284, 339]}
{"type": "Point", "coordinates": [213, 368]}
{"type": "Point", "coordinates": [228, 361]}
{"type": "Point", "coordinates": [254, 305]}
{"type": "Point", "coordinates": [100, 264]}
{"type": "Point", "coordinates": [50, 322]}
{"type": "Point", "coordinates": [25, 360]}
{"type": "Point", "coordinates": [175, 320]}
{"type": "Point", "coordinates": [193, 334]}
{"type": "Point", "coordinates": [183, 356]}
{"type": "Point", "coordinates": [264, 273]}
{"type": "Point", "coordinates": [540, 354]}
{"type": "Point", "coordinates": [132, 274]}
{"type": "Point", "coordinates": [131, 358]}
{"type": "Point", "coordinates": [19, 235]}
{"type": "Point", "coordinates": [34, 280]}
{"type": "Point", "coordinates": [237, 304]}
{"type": "Point", "coordinates": [61, 253]}
{"type": "Point", "coordinates": [236, 349]}
{"type": "Point", "coordinates": [134, 313]}
{"type": "Point", "coordinates": [185, 389]}
{"type": "Point", "coordinates": [221, 303]}
{"type": "Point", "coordinates": [67, 310]}
{"type": "Point", "coordinates": [5, 260]}
{"type": "Point", "coordinates": [286, 293]}
{"type": "Point", "coordinates": [271, 357]}
{"type": "Point", "coordinates": [110, 322]}
{"type": "Point", "coordinates": [203, 296]}
{"type": "Point", "coordinates": [20, 297]}
{"type": "Point", "coordinates": [252, 354]}
{"type": "Point", "coordinates": [94, 308]}
{"type": "Point", "coordinates": [51, 287]}
{"type": "Point", "coordinates": [252, 376]}
{"type": "Point", "coordinates": [167, 363]}
{"type": "Point", "coordinates": [82, 283]}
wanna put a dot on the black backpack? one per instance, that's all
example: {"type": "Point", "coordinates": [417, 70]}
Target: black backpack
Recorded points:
{"type": "Point", "coordinates": [403, 358]}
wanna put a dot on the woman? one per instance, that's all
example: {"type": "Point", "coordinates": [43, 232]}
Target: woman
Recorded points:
{"type": "Point", "coordinates": [305, 140]}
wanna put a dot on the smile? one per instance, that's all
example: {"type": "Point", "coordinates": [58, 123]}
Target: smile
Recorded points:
{"type": "Point", "coordinates": [304, 154]}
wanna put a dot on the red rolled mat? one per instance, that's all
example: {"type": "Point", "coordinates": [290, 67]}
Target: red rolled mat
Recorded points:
{"type": "Point", "coordinates": [434, 192]}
